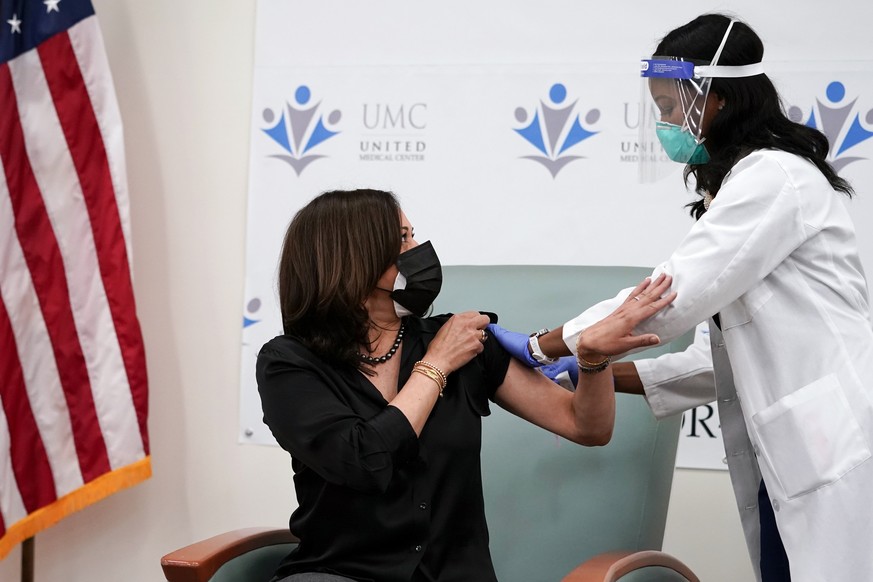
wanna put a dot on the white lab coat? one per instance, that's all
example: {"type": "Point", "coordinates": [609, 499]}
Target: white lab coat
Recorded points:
{"type": "Point", "coordinates": [776, 257]}
{"type": "Point", "coordinates": [676, 382]}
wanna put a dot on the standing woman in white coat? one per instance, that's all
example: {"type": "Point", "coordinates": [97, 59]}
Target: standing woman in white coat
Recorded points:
{"type": "Point", "coordinates": [772, 264]}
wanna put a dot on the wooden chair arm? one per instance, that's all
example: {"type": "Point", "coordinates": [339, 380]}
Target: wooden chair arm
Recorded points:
{"type": "Point", "coordinates": [199, 561]}
{"type": "Point", "coordinates": [610, 566]}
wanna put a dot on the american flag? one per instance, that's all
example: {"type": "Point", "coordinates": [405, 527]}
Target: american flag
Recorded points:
{"type": "Point", "coordinates": [73, 385]}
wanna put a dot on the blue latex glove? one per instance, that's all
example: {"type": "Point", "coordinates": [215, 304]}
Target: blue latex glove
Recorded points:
{"type": "Point", "coordinates": [566, 364]}
{"type": "Point", "coordinates": [515, 343]}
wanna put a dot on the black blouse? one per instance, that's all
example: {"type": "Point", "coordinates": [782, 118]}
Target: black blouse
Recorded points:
{"type": "Point", "coordinates": [375, 502]}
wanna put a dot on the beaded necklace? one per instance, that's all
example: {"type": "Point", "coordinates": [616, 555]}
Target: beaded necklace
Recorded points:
{"type": "Point", "coordinates": [382, 359]}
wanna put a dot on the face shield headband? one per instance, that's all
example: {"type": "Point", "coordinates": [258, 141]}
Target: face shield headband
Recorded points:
{"type": "Point", "coordinates": [673, 101]}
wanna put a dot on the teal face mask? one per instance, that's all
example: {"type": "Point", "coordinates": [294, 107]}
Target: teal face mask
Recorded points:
{"type": "Point", "coordinates": [680, 145]}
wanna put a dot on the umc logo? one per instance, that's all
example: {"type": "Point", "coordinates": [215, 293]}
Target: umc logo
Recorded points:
{"type": "Point", "coordinates": [299, 129]}
{"type": "Point", "coordinates": [840, 121]}
{"type": "Point", "coordinates": [554, 129]}
{"type": "Point", "coordinates": [395, 133]}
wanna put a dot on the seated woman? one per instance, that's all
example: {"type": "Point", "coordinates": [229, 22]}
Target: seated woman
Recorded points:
{"type": "Point", "coordinates": [380, 408]}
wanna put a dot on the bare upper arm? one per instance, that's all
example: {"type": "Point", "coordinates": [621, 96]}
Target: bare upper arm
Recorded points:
{"type": "Point", "coordinates": [530, 395]}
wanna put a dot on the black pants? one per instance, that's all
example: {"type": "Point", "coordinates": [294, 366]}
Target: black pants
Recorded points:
{"type": "Point", "coordinates": [774, 561]}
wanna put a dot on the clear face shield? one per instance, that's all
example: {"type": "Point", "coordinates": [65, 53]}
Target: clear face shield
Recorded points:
{"type": "Point", "coordinates": [672, 106]}
{"type": "Point", "coordinates": [673, 109]}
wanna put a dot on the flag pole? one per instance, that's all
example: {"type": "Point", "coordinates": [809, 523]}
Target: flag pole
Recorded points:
{"type": "Point", "coordinates": [27, 560]}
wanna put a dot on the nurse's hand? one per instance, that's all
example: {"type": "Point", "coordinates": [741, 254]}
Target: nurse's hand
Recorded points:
{"type": "Point", "coordinates": [566, 364]}
{"type": "Point", "coordinates": [515, 343]}
{"type": "Point", "coordinates": [613, 334]}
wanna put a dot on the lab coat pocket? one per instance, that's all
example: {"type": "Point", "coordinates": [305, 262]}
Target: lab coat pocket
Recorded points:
{"type": "Point", "coordinates": [810, 438]}
{"type": "Point", "coordinates": [744, 309]}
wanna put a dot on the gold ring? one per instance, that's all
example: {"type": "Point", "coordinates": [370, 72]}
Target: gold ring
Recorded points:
{"type": "Point", "coordinates": [484, 336]}
{"type": "Point", "coordinates": [636, 297]}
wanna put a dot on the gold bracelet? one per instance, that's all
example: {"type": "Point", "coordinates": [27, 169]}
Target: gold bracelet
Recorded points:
{"type": "Point", "coordinates": [443, 379]}
{"type": "Point", "coordinates": [583, 361]}
{"type": "Point", "coordinates": [430, 374]}
{"type": "Point", "coordinates": [587, 367]}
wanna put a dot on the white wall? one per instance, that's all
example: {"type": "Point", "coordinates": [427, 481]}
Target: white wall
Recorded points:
{"type": "Point", "coordinates": [183, 74]}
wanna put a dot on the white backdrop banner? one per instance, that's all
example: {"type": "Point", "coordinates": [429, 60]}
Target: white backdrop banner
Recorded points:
{"type": "Point", "coordinates": [490, 162]}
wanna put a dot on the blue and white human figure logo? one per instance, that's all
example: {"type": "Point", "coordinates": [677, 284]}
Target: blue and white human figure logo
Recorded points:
{"type": "Point", "coordinates": [251, 312]}
{"type": "Point", "coordinates": [252, 315]}
{"type": "Point", "coordinates": [297, 128]}
{"type": "Point", "coordinates": [843, 122]}
{"type": "Point", "coordinates": [554, 127]}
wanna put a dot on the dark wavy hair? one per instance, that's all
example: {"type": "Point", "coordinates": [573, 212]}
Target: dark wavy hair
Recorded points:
{"type": "Point", "coordinates": [753, 117]}
{"type": "Point", "coordinates": [334, 252]}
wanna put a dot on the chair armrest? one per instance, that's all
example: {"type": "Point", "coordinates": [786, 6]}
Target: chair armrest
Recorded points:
{"type": "Point", "coordinates": [199, 561]}
{"type": "Point", "coordinates": [610, 566]}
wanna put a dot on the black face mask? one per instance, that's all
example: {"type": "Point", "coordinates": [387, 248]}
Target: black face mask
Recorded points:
{"type": "Point", "coordinates": [418, 282]}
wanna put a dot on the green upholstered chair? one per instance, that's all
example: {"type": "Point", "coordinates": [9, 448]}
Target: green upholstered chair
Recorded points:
{"type": "Point", "coordinates": [556, 511]}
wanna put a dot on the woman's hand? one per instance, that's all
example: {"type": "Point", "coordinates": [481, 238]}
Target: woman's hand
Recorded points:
{"type": "Point", "coordinates": [614, 334]}
{"type": "Point", "coordinates": [458, 341]}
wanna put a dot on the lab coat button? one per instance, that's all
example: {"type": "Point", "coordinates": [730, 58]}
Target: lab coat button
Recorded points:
{"type": "Point", "coordinates": [418, 548]}
{"type": "Point", "coordinates": [775, 505]}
